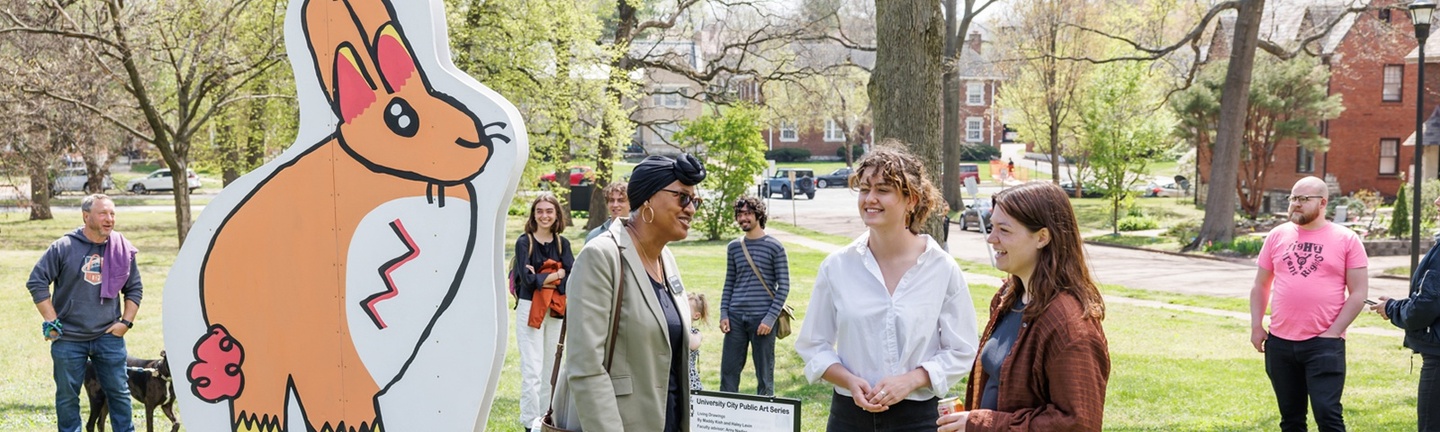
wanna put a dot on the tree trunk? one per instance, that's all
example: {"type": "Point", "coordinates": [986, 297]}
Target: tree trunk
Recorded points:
{"type": "Point", "coordinates": [1219, 224]}
{"type": "Point", "coordinates": [40, 193]}
{"type": "Point", "coordinates": [610, 132]}
{"type": "Point", "coordinates": [950, 137]}
{"type": "Point", "coordinates": [905, 85]}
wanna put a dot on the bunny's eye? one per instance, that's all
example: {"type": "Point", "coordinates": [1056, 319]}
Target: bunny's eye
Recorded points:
{"type": "Point", "coordinates": [401, 118]}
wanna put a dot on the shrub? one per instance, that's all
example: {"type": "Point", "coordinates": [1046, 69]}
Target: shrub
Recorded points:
{"type": "Point", "coordinates": [1184, 232]}
{"type": "Point", "coordinates": [1137, 223]}
{"type": "Point", "coordinates": [856, 151]}
{"type": "Point", "coordinates": [788, 155]}
{"type": "Point", "coordinates": [1244, 246]}
{"type": "Point", "coordinates": [978, 152]}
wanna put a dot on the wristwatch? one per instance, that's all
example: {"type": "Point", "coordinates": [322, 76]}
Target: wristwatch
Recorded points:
{"type": "Point", "coordinates": [127, 323]}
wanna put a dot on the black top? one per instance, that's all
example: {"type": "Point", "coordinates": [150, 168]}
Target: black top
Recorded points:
{"type": "Point", "coordinates": [677, 355]}
{"type": "Point", "coordinates": [993, 354]}
{"type": "Point", "coordinates": [527, 281]}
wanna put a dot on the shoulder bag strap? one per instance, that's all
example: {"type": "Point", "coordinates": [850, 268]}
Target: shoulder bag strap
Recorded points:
{"type": "Point", "coordinates": [746, 250]}
{"type": "Point", "coordinates": [610, 338]}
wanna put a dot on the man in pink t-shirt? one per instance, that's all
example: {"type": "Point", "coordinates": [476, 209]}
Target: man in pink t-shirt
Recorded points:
{"type": "Point", "coordinates": [1312, 275]}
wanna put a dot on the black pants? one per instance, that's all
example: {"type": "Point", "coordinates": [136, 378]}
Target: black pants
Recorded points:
{"type": "Point", "coordinates": [906, 416]}
{"type": "Point", "coordinates": [740, 339]}
{"type": "Point", "coordinates": [1312, 369]}
{"type": "Point", "coordinates": [1428, 404]}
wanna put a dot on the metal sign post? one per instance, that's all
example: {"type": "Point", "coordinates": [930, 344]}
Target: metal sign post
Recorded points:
{"type": "Point", "coordinates": [974, 190]}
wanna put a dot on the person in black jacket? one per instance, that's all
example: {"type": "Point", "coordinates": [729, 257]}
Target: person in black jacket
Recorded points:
{"type": "Point", "coordinates": [542, 262]}
{"type": "Point", "coordinates": [1418, 316]}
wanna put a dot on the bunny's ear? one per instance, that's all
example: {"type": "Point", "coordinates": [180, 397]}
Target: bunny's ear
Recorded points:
{"type": "Point", "coordinates": [354, 89]}
{"type": "Point", "coordinates": [394, 58]}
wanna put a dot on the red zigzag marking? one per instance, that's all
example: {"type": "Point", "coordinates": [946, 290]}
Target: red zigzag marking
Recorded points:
{"type": "Point", "coordinates": [390, 289]}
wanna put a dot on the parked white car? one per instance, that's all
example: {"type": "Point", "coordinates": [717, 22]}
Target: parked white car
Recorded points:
{"type": "Point", "coordinates": [160, 181]}
{"type": "Point", "coordinates": [73, 180]}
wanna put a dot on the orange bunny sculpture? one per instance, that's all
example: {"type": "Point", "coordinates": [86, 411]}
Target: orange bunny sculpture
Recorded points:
{"type": "Point", "coordinates": [327, 281]}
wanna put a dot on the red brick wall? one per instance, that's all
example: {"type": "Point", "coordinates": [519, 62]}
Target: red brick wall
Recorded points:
{"type": "Point", "coordinates": [1357, 74]}
{"type": "Point", "coordinates": [993, 130]}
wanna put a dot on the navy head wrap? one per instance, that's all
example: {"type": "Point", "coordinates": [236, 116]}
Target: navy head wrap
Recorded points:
{"type": "Point", "coordinates": [656, 172]}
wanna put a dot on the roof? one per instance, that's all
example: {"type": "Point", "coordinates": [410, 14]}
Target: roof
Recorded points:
{"type": "Point", "coordinates": [977, 64]}
{"type": "Point", "coordinates": [1431, 129]}
{"type": "Point", "coordinates": [1287, 22]}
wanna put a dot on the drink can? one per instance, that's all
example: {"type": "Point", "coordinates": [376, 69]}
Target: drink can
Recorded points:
{"type": "Point", "coordinates": [950, 405]}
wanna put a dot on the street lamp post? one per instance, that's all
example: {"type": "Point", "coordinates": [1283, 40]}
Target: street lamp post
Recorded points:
{"type": "Point", "coordinates": [1420, 14]}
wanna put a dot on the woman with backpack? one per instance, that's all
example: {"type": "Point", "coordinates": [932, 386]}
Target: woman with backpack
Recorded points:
{"type": "Point", "coordinates": [542, 261]}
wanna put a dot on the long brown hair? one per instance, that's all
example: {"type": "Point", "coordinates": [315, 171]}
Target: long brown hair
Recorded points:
{"type": "Point", "coordinates": [1061, 264]}
{"type": "Point", "coordinates": [531, 225]}
{"type": "Point", "coordinates": [897, 166]}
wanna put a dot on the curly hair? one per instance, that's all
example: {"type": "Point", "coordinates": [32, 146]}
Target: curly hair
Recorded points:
{"type": "Point", "coordinates": [755, 206]}
{"type": "Point", "coordinates": [895, 165]}
{"type": "Point", "coordinates": [615, 188]}
{"type": "Point", "coordinates": [531, 225]}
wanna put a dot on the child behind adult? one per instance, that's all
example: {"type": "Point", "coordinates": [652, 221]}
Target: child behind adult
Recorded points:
{"type": "Point", "coordinates": [698, 314]}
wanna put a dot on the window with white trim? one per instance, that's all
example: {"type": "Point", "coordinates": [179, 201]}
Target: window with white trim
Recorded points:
{"type": "Point", "coordinates": [975, 94]}
{"type": "Point", "coordinates": [973, 129]}
{"type": "Point", "coordinates": [670, 96]}
{"type": "Point", "coordinates": [833, 132]}
{"type": "Point", "coordinates": [1389, 156]}
{"type": "Point", "coordinates": [789, 131]}
{"type": "Point", "coordinates": [1394, 75]}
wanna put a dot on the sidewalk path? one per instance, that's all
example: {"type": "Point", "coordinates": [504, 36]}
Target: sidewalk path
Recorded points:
{"type": "Point", "coordinates": [1222, 277]}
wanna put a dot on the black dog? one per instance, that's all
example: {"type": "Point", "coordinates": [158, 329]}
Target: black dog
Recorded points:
{"type": "Point", "coordinates": [150, 384]}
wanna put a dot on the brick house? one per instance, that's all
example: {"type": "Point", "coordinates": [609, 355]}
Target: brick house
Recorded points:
{"type": "Point", "coordinates": [980, 80]}
{"type": "Point", "coordinates": [823, 138]}
{"type": "Point", "coordinates": [1366, 54]}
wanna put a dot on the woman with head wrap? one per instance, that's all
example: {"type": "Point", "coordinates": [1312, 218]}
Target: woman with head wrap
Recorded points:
{"type": "Point", "coordinates": [639, 380]}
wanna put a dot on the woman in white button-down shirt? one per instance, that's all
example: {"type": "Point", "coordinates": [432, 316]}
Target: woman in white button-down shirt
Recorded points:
{"type": "Point", "coordinates": [890, 322]}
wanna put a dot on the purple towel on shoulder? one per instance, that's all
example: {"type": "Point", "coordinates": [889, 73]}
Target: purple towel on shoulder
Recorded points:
{"type": "Point", "coordinates": [115, 268]}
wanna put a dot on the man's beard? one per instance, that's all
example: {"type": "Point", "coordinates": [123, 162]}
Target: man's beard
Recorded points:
{"type": "Point", "coordinates": [1303, 218]}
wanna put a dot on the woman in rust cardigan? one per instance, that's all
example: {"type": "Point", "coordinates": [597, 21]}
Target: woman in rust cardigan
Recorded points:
{"type": "Point", "coordinates": [1044, 361]}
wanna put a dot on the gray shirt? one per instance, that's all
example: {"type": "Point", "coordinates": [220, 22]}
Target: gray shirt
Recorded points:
{"type": "Point", "coordinates": [995, 351]}
{"type": "Point", "coordinates": [72, 265]}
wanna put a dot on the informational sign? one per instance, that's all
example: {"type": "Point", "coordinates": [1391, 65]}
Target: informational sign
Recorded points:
{"type": "Point", "coordinates": [355, 282]}
{"type": "Point", "coordinates": [734, 412]}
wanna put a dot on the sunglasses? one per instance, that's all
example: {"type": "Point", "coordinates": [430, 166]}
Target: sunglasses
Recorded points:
{"type": "Point", "coordinates": [686, 199]}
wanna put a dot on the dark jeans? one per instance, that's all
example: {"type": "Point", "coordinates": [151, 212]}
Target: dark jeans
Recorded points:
{"type": "Point", "coordinates": [107, 353]}
{"type": "Point", "coordinates": [905, 416]}
{"type": "Point", "coordinates": [1428, 403]}
{"type": "Point", "coordinates": [1311, 369]}
{"type": "Point", "coordinates": [732, 357]}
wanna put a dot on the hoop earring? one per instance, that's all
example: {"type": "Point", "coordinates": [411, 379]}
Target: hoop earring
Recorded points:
{"type": "Point", "coordinates": [652, 213]}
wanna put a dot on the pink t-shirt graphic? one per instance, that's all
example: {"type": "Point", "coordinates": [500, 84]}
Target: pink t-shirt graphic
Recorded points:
{"type": "Point", "coordinates": [1309, 286]}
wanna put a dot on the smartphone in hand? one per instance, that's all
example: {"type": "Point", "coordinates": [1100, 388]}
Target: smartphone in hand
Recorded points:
{"type": "Point", "coordinates": [1370, 302]}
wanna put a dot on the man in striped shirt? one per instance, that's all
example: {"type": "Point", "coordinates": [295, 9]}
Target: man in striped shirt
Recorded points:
{"type": "Point", "coordinates": [747, 308]}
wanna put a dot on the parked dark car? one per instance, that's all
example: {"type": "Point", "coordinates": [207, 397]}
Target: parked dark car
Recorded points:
{"type": "Point", "coordinates": [976, 213]}
{"type": "Point", "coordinates": [1069, 188]}
{"type": "Point", "coordinates": [841, 178]}
{"type": "Point", "coordinates": [780, 183]}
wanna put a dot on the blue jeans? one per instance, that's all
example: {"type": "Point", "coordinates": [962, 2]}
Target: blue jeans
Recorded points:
{"type": "Point", "coordinates": [732, 356]}
{"type": "Point", "coordinates": [1312, 369]}
{"type": "Point", "coordinates": [107, 353]}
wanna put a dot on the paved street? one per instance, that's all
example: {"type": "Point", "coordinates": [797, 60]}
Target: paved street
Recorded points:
{"type": "Point", "coordinates": [834, 211]}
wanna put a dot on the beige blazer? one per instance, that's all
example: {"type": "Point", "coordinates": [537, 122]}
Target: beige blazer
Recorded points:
{"type": "Point", "coordinates": [631, 396]}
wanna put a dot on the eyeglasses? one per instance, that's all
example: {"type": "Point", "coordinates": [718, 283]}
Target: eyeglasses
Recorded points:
{"type": "Point", "coordinates": [1302, 199]}
{"type": "Point", "coordinates": [686, 199]}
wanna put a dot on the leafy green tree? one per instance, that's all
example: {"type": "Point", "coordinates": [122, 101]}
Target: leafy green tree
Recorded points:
{"type": "Point", "coordinates": [1120, 129]}
{"type": "Point", "coordinates": [734, 153]}
{"type": "Point", "coordinates": [1287, 102]}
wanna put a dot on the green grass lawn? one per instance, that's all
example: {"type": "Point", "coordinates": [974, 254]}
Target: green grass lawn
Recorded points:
{"type": "Point", "coordinates": [1148, 242]}
{"type": "Point", "coordinates": [1171, 370]}
{"type": "Point", "coordinates": [1094, 213]}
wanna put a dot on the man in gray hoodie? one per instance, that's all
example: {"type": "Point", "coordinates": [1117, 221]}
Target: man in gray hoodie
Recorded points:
{"type": "Point", "coordinates": [89, 269]}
